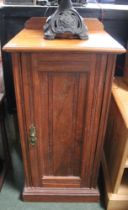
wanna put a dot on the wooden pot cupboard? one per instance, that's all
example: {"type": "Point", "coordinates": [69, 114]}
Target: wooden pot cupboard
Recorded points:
{"type": "Point", "coordinates": [63, 90]}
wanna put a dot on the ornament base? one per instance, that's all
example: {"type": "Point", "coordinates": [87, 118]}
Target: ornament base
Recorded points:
{"type": "Point", "coordinates": [65, 21]}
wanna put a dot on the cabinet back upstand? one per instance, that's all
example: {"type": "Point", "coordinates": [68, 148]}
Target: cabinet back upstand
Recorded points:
{"type": "Point", "coordinates": [63, 90]}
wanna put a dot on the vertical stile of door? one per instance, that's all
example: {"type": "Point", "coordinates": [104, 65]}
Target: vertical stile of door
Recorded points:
{"type": "Point", "coordinates": [28, 90]}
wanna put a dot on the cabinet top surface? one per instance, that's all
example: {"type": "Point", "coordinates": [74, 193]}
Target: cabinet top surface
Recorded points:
{"type": "Point", "coordinates": [30, 39]}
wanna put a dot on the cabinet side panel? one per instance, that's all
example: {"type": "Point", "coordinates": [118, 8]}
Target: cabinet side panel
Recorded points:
{"type": "Point", "coordinates": [95, 115]}
{"type": "Point", "coordinates": [109, 75]}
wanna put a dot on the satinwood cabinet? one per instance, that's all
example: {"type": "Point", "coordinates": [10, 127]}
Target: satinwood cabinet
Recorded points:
{"type": "Point", "coordinates": [63, 91]}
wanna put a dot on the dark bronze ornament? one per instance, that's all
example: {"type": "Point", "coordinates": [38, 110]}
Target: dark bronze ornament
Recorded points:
{"type": "Point", "coordinates": [65, 20]}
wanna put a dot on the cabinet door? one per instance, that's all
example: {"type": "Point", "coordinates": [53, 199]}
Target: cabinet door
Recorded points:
{"type": "Point", "coordinates": [63, 97]}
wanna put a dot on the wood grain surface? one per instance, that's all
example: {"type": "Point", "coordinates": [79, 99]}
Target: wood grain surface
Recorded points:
{"type": "Point", "coordinates": [31, 39]}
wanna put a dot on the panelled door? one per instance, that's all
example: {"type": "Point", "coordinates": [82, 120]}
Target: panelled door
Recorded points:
{"type": "Point", "coordinates": [63, 99]}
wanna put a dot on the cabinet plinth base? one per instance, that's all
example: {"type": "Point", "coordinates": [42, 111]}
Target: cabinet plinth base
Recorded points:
{"type": "Point", "coordinates": [60, 195]}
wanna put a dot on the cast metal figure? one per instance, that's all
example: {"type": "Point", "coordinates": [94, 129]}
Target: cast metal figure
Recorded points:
{"type": "Point", "coordinates": [65, 19]}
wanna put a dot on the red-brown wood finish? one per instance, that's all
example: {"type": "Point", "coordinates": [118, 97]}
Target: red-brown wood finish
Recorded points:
{"type": "Point", "coordinates": [65, 95]}
{"type": "Point", "coordinates": [65, 108]}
